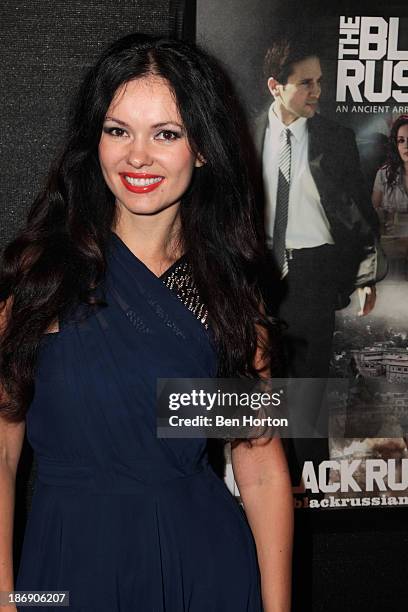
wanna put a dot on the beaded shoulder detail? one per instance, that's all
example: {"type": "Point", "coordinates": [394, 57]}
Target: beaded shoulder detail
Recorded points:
{"type": "Point", "coordinates": [179, 279]}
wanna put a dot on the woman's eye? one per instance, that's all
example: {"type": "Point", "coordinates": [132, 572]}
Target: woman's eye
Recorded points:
{"type": "Point", "coordinates": [114, 131]}
{"type": "Point", "coordinates": [168, 135]}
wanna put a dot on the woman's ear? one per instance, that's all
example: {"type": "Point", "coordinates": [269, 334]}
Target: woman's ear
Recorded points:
{"type": "Point", "coordinates": [200, 161]}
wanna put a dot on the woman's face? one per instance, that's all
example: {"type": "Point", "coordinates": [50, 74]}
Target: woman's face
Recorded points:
{"type": "Point", "coordinates": [402, 142]}
{"type": "Point", "coordinates": [144, 153]}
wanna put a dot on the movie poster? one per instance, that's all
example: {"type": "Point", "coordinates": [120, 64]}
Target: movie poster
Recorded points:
{"type": "Point", "coordinates": [364, 60]}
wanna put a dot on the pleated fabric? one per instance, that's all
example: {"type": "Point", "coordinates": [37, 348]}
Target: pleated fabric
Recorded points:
{"type": "Point", "coordinates": [121, 519]}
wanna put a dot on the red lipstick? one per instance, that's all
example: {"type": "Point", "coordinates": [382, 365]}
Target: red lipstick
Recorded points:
{"type": "Point", "coordinates": [144, 183]}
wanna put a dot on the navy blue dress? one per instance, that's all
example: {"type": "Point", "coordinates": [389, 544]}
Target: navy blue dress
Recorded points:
{"type": "Point", "coordinates": [123, 520]}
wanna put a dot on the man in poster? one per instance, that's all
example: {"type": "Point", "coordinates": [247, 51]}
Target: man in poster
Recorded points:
{"type": "Point", "coordinates": [319, 222]}
{"type": "Point", "coordinates": [319, 217]}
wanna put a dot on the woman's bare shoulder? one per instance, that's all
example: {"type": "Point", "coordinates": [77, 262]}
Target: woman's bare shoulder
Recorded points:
{"type": "Point", "coordinates": [53, 328]}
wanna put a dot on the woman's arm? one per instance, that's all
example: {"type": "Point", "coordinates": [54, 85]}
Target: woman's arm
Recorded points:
{"type": "Point", "coordinates": [379, 187]}
{"type": "Point", "coordinates": [376, 199]}
{"type": "Point", "coordinates": [384, 216]}
{"type": "Point", "coordinates": [11, 441]}
{"type": "Point", "coordinates": [262, 477]}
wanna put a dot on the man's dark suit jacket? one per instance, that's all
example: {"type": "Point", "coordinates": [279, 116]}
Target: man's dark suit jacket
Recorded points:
{"type": "Point", "coordinates": [335, 166]}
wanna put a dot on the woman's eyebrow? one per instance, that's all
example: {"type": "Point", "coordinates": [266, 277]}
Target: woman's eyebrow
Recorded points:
{"type": "Point", "coordinates": [164, 123]}
{"type": "Point", "coordinates": [155, 126]}
{"type": "Point", "coordinates": [116, 121]}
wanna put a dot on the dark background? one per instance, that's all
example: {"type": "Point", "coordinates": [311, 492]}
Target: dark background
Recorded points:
{"type": "Point", "coordinates": [45, 47]}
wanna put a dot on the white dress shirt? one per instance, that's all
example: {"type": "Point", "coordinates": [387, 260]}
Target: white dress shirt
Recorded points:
{"type": "Point", "coordinates": [308, 225]}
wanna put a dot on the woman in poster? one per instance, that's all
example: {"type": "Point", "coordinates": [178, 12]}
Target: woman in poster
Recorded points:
{"type": "Point", "coordinates": [139, 261]}
{"type": "Point", "coordinates": [390, 191]}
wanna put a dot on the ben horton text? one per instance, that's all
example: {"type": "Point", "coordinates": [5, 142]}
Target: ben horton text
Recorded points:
{"type": "Point", "coordinates": [220, 400]}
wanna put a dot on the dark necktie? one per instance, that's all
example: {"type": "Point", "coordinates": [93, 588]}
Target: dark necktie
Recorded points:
{"type": "Point", "coordinates": [282, 203]}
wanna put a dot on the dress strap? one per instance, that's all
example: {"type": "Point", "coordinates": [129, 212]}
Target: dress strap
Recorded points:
{"type": "Point", "coordinates": [179, 279]}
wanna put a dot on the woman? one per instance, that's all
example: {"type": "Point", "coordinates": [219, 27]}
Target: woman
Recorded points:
{"type": "Point", "coordinates": [390, 198]}
{"type": "Point", "coordinates": [141, 240]}
{"type": "Point", "coordinates": [390, 191]}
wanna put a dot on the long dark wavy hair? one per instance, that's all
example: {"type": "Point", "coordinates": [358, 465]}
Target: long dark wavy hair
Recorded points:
{"type": "Point", "coordinates": [58, 259]}
{"type": "Point", "coordinates": [394, 163]}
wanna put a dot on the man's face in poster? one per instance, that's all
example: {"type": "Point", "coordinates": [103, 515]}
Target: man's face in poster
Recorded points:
{"type": "Point", "coordinates": [299, 96]}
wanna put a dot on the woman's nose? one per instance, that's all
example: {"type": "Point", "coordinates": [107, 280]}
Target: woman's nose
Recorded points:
{"type": "Point", "coordinates": [139, 154]}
